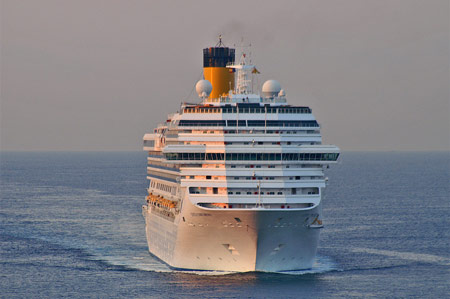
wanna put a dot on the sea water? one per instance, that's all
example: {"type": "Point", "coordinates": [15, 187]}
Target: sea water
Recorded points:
{"type": "Point", "coordinates": [71, 226]}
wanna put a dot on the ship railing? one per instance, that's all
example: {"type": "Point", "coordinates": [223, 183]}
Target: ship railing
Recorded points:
{"type": "Point", "coordinates": [249, 206]}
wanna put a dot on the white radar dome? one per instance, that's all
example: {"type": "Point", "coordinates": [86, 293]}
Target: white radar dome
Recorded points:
{"type": "Point", "coordinates": [203, 88]}
{"type": "Point", "coordinates": [271, 88]}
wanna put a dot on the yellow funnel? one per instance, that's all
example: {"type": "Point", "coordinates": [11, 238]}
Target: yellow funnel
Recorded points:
{"type": "Point", "coordinates": [215, 60]}
{"type": "Point", "coordinates": [221, 78]}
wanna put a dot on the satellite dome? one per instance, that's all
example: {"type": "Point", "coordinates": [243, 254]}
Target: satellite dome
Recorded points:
{"type": "Point", "coordinates": [271, 88]}
{"type": "Point", "coordinates": [203, 88]}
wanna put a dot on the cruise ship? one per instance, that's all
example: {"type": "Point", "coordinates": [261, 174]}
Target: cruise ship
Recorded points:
{"type": "Point", "coordinates": [236, 179]}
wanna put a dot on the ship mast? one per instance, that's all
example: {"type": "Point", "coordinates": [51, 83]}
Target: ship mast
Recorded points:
{"type": "Point", "coordinates": [243, 82]}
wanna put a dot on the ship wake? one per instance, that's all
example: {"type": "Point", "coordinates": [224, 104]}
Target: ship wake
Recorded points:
{"type": "Point", "coordinates": [322, 264]}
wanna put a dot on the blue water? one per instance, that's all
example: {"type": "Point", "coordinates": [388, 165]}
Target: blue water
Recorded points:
{"type": "Point", "coordinates": [71, 226]}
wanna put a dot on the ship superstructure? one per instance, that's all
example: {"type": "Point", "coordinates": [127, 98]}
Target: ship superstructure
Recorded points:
{"type": "Point", "coordinates": [236, 180]}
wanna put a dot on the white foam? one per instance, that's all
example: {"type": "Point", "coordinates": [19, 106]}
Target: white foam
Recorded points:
{"type": "Point", "coordinates": [150, 264]}
{"type": "Point", "coordinates": [411, 256]}
{"type": "Point", "coordinates": [322, 264]}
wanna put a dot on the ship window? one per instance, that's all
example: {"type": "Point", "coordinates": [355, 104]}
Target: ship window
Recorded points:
{"type": "Point", "coordinates": [236, 178]}
{"type": "Point", "coordinates": [297, 177]}
{"type": "Point", "coordinates": [294, 191]}
{"type": "Point", "coordinates": [208, 177]}
{"type": "Point", "coordinates": [254, 156]}
{"type": "Point", "coordinates": [280, 193]}
{"type": "Point", "coordinates": [249, 193]}
{"type": "Point", "coordinates": [238, 192]}
{"type": "Point", "coordinates": [229, 192]}
{"type": "Point", "coordinates": [215, 190]}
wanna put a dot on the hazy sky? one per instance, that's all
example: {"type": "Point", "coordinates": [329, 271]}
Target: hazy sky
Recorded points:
{"type": "Point", "coordinates": [97, 75]}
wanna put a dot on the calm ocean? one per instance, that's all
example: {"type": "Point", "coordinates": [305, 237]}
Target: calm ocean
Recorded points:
{"type": "Point", "coordinates": [71, 226]}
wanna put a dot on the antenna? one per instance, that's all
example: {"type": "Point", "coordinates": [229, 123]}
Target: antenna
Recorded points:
{"type": "Point", "coordinates": [220, 44]}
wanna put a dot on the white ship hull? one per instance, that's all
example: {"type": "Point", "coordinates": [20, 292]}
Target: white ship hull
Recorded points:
{"type": "Point", "coordinates": [234, 239]}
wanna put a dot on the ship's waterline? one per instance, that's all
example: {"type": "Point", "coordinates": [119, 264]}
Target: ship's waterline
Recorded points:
{"type": "Point", "coordinates": [236, 181]}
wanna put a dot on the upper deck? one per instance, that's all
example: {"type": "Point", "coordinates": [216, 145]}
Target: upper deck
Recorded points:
{"type": "Point", "coordinates": [227, 106]}
{"type": "Point", "coordinates": [245, 98]}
